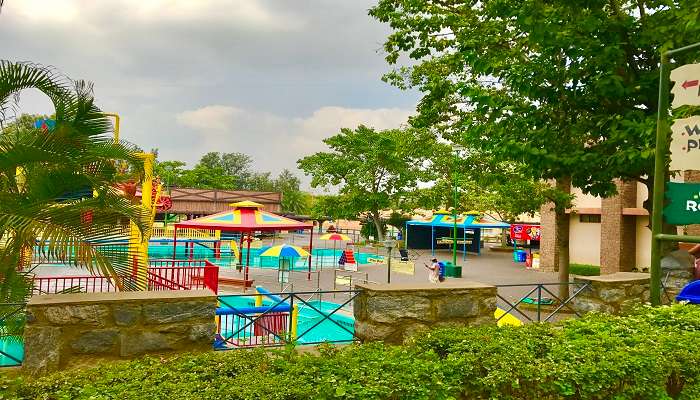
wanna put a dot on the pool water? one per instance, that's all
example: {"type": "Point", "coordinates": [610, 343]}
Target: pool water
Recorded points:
{"type": "Point", "coordinates": [307, 329]}
{"type": "Point", "coordinates": [321, 258]}
{"type": "Point", "coordinates": [12, 346]}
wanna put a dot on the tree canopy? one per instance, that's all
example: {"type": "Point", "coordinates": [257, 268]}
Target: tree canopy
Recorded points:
{"type": "Point", "coordinates": [233, 171]}
{"type": "Point", "coordinates": [567, 88]}
{"type": "Point", "coordinates": [372, 169]}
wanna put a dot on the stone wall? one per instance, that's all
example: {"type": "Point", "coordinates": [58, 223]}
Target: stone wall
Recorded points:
{"type": "Point", "coordinates": [67, 330]}
{"type": "Point", "coordinates": [392, 313]}
{"type": "Point", "coordinates": [677, 270]}
{"type": "Point", "coordinates": [612, 293]}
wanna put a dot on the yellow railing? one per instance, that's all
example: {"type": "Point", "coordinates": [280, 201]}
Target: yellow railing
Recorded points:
{"type": "Point", "coordinates": [185, 233]}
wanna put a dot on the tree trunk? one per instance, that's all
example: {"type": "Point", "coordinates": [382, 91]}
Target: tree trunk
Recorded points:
{"type": "Point", "coordinates": [666, 246]}
{"type": "Point", "coordinates": [562, 228]}
{"type": "Point", "coordinates": [377, 225]}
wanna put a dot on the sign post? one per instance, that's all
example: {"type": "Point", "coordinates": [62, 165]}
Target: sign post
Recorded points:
{"type": "Point", "coordinates": [685, 93]}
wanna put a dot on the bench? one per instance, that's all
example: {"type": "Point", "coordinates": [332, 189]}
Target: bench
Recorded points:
{"type": "Point", "coordinates": [223, 280]}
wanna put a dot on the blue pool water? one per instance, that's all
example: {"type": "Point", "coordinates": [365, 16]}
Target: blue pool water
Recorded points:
{"type": "Point", "coordinates": [13, 347]}
{"type": "Point", "coordinates": [309, 330]}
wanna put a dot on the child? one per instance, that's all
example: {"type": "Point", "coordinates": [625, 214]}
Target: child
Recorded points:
{"type": "Point", "coordinates": [433, 271]}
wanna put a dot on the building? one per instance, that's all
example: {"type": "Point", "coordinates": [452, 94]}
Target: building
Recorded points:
{"type": "Point", "coordinates": [614, 232]}
{"type": "Point", "coordinates": [194, 203]}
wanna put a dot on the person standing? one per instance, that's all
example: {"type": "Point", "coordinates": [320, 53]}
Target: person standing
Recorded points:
{"type": "Point", "coordinates": [433, 271]}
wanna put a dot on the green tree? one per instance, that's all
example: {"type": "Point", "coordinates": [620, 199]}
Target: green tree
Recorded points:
{"type": "Point", "coordinates": [567, 88]}
{"type": "Point", "coordinates": [372, 168]}
{"type": "Point", "coordinates": [47, 181]}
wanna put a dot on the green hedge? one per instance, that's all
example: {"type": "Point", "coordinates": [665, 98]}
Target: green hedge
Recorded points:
{"type": "Point", "coordinates": [584, 269]}
{"type": "Point", "coordinates": [650, 354]}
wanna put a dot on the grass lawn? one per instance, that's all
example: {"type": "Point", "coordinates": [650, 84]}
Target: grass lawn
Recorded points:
{"type": "Point", "coordinates": [584, 269]}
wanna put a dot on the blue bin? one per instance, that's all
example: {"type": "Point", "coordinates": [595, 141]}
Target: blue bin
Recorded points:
{"type": "Point", "coordinates": [690, 293]}
{"type": "Point", "coordinates": [519, 255]}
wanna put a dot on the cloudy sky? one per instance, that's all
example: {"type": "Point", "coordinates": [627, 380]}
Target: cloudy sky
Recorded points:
{"type": "Point", "coordinates": [269, 78]}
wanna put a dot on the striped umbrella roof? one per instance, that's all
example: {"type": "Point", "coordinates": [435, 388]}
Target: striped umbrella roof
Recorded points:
{"type": "Point", "coordinates": [335, 236]}
{"type": "Point", "coordinates": [284, 250]}
{"type": "Point", "coordinates": [245, 216]}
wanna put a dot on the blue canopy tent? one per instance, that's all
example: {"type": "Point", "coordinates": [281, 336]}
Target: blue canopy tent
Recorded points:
{"type": "Point", "coordinates": [436, 232]}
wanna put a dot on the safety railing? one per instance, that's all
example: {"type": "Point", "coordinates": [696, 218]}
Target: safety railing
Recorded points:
{"type": "Point", "coordinates": [11, 345]}
{"type": "Point", "coordinates": [277, 319]}
{"type": "Point", "coordinates": [537, 302]}
{"type": "Point", "coordinates": [73, 284]}
{"type": "Point", "coordinates": [161, 275]}
{"type": "Point", "coordinates": [185, 233]}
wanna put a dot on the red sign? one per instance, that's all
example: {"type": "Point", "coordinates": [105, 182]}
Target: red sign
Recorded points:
{"type": "Point", "coordinates": [524, 232]}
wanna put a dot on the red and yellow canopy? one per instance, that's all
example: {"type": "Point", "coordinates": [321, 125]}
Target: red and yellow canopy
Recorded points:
{"type": "Point", "coordinates": [244, 217]}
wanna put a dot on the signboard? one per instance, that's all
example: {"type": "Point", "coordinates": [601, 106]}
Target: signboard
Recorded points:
{"type": "Point", "coordinates": [685, 144]}
{"type": "Point", "coordinates": [686, 91]}
{"type": "Point", "coordinates": [684, 203]}
{"type": "Point", "coordinates": [403, 267]}
{"type": "Point", "coordinates": [524, 232]}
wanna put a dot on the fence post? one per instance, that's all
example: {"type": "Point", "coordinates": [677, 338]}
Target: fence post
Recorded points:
{"type": "Point", "coordinates": [539, 303]}
{"type": "Point", "coordinates": [211, 277]}
{"type": "Point", "coordinates": [292, 318]}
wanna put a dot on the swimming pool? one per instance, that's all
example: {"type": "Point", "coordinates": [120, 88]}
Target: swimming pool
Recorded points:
{"type": "Point", "coordinates": [311, 325]}
{"type": "Point", "coordinates": [321, 258]}
{"type": "Point", "coordinates": [13, 347]}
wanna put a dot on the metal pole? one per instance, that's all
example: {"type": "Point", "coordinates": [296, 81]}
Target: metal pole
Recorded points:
{"type": "Point", "coordinates": [659, 181]}
{"type": "Point", "coordinates": [454, 215]}
{"type": "Point", "coordinates": [388, 266]}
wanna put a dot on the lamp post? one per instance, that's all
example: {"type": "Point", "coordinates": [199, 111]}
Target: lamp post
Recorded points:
{"type": "Point", "coordinates": [389, 245]}
{"type": "Point", "coordinates": [456, 149]}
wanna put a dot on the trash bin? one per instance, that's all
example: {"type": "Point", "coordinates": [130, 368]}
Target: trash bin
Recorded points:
{"type": "Point", "coordinates": [453, 271]}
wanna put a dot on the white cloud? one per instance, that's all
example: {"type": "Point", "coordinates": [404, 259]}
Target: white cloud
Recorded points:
{"type": "Point", "coordinates": [248, 13]}
{"type": "Point", "coordinates": [277, 142]}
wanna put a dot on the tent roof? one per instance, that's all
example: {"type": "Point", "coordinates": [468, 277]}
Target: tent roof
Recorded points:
{"type": "Point", "coordinates": [245, 216]}
{"type": "Point", "coordinates": [468, 221]}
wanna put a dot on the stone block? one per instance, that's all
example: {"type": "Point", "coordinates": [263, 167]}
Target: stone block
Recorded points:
{"type": "Point", "coordinates": [78, 314]}
{"type": "Point", "coordinates": [42, 349]}
{"type": "Point", "coordinates": [202, 332]}
{"type": "Point", "coordinates": [611, 294]}
{"type": "Point", "coordinates": [126, 314]}
{"type": "Point", "coordinates": [458, 307]}
{"type": "Point", "coordinates": [367, 331]}
{"type": "Point", "coordinates": [413, 329]}
{"type": "Point", "coordinates": [95, 341]}
{"type": "Point", "coordinates": [392, 308]}
{"type": "Point", "coordinates": [137, 343]}
{"type": "Point", "coordinates": [169, 312]}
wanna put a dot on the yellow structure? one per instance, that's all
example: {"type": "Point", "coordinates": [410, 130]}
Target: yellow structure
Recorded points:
{"type": "Point", "coordinates": [507, 319]}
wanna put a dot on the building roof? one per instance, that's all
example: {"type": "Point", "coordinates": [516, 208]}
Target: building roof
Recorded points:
{"type": "Point", "coordinates": [468, 221]}
{"type": "Point", "coordinates": [210, 201]}
{"type": "Point", "coordinates": [243, 217]}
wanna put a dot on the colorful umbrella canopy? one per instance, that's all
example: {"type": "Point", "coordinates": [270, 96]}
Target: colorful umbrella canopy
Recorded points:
{"type": "Point", "coordinates": [284, 250]}
{"type": "Point", "coordinates": [245, 216]}
{"type": "Point", "coordinates": [335, 236]}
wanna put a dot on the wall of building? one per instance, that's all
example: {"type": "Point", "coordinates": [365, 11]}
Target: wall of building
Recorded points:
{"type": "Point", "coordinates": [643, 242]}
{"type": "Point", "coordinates": [584, 200]}
{"type": "Point", "coordinates": [584, 244]}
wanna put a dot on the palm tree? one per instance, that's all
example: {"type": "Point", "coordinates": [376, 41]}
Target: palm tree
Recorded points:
{"type": "Point", "coordinates": [58, 184]}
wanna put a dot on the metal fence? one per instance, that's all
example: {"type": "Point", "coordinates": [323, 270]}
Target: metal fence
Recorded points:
{"type": "Point", "coordinates": [537, 302]}
{"type": "Point", "coordinates": [11, 346]}
{"type": "Point", "coordinates": [277, 319]}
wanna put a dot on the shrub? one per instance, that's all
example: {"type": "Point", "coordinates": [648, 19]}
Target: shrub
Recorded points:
{"type": "Point", "coordinates": [649, 354]}
{"type": "Point", "coordinates": [584, 269]}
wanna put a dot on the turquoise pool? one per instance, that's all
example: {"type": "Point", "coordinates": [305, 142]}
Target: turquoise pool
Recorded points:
{"type": "Point", "coordinates": [321, 258]}
{"type": "Point", "coordinates": [307, 329]}
{"type": "Point", "coordinates": [12, 346]}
